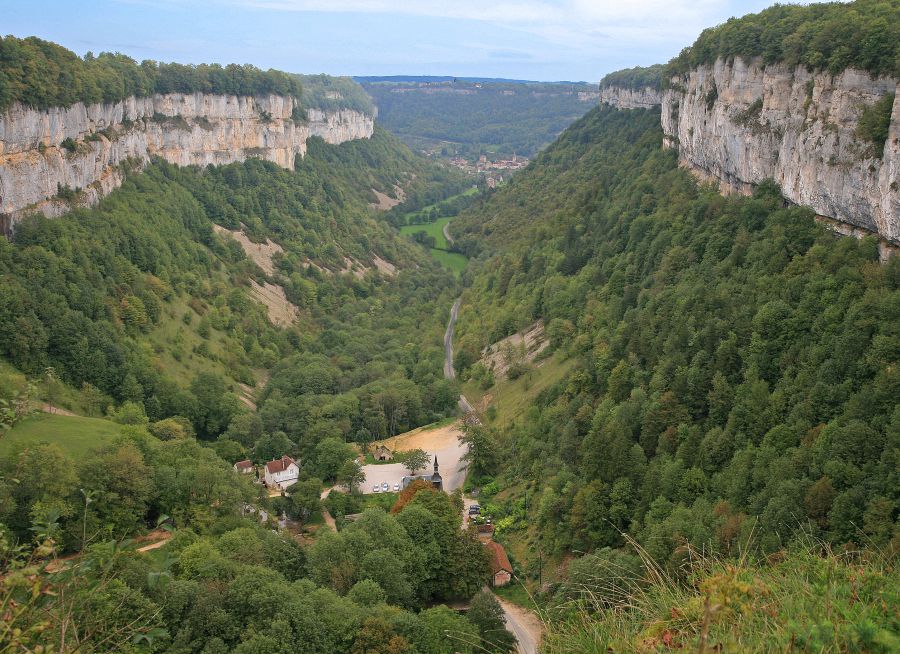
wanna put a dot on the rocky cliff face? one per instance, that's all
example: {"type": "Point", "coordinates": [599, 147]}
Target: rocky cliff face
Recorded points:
{"type": "Point", "coordinates": [623, 98]}
{"type": "Point", "coordinates": [739, 123]}
{"type": "Point", "coordinates": [86, 147]}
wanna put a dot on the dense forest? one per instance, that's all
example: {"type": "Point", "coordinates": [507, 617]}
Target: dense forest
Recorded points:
{"type": "Point", "coordinates": [734, 380]}
{"type": "Point", "coordinates": [864, 34]}
{"type": "Point", "coordinates": [42, 74]}
{"type": "Point", "coordinates": [225, 583]}
{"type": "Point", "coordinates": [471, 118]}
{"type": "Point", "coordinates": [142, 301]}
{"type": "Point", "coordinates": [331, 93]}
{"type": "Point", "coordinates": [835, 36]}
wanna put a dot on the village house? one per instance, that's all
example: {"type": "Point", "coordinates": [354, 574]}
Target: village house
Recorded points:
{"type": "Point", "coordinates": [244, 467]}
{"type": "Point", "coordinates": [383, 454]}
{"type": "Point", "coordinates": [501, 568]}
{"type": "Point", "coordinates": [281, 473]}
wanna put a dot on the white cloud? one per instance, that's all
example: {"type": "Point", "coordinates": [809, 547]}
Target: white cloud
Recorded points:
{"type": "Point", "coordinates": [566, 22]}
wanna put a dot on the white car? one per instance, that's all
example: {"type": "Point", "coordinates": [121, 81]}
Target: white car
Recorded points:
{"type": "Point", "coordinates": [396, 488]}
{"type": "Point", "coordinates": [385, 487]}
{"type": "Point", "coordinates": [376, 488]}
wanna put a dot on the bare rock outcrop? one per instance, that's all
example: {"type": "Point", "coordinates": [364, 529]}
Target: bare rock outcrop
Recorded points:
{"type": "Point", "coordinates": [628, 98]}
{"type": "Point", "coordinates": [53, 158]}
{"type": "Point", "coordinates": [741, 122]}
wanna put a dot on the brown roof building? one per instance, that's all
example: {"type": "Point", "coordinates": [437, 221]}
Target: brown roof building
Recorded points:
{"type": "Point", "coordinates": [244, 467]}
{"type": "Point", "coordinates": [501, 568]}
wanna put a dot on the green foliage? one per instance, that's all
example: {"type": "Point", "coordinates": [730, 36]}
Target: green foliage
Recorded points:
{"type": "Point", "coordinates": [875, 122]}
{"type": "Point", "coordinates": [734, 364]}
{"type": "Point", "coordinates": [486, 614]}
{"type": "Point", "coordinates": [42, 74]}
{"type": "Point", "coordinates": [504, 118]}
{"type": "Point", "coordinates": [807, 600]}
{"type": "Point", "coordinates": [831, 36]}
{"type": "Point", "coordinates": [329, 93]}
{"type": "Point", "coordinates": [636, 78]}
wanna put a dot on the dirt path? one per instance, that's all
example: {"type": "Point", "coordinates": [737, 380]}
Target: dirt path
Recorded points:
{"type": "Point", "coordinates": [525, 625]}
{"type": "Point", "coordinates": [329, 520]}
{"type": "Point", "coordinates": [56, 411]}
{"type": "Point", "coordinates": [447, 236]}
{"type": "Point", "coordinates": [159, 537]}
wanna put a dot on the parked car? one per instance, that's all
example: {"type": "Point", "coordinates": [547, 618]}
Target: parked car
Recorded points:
{"type": "Point", "coordinates": [474, 509]}
{"type": "Point", "coordinates": [376, 488]}
{"type": "Point", "coordinates": [385, 487]}
{"type": "Point", "coordinates": [396, 488]}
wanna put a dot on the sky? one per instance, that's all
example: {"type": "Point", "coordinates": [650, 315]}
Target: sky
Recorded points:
{"type": "Point", "coordinates": [547, 40]}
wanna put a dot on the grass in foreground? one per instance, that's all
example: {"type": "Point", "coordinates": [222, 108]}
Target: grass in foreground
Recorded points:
{"type": "Point", "coordinates": [806, 602]}
{"type": "Point", "coordinates": [74, 434]}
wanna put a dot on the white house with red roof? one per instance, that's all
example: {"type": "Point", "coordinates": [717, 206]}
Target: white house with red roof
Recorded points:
{"type": "Point", "coordinates": [281, 473]}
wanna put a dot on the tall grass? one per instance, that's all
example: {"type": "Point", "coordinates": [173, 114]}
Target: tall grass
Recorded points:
{"type": "Point", "coordinates": [808, 599]}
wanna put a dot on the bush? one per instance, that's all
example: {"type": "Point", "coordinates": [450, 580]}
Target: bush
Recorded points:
{"type": "Point", "coordinates": [874, 124]}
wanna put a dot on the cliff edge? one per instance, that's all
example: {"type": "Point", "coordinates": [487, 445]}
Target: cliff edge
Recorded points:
{"type": "Point", "coordinates": [52, 159]}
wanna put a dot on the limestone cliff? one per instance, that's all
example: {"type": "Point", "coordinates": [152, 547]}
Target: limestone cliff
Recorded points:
{"type": "Point", "coordinates": [628, 98]}
{"type": "Point", "coordinates": [738, 123]}
{"type": "Point", "coordinates": [86, 146]}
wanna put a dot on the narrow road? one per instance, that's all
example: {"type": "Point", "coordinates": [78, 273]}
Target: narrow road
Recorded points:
{"type": "Point", "coordinates": [329, 521]}
{"type": "Point", "coordinates": [525, 626]}
{"type": "Point", "coordinates": [447, 236]}
{"type": "Point", "coordinates": [449, 371]}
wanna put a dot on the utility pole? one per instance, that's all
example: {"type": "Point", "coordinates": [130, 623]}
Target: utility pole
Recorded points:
{"type": "Point", "coordinates": [540, 568]}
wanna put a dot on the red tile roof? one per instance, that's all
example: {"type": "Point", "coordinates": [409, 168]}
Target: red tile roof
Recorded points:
{"type": "Point", "coordinates": [246, 464]}
{"type": "Point", "coordinates": [499, 560]}
{"type": "Point", "coordinates": [279, 465]}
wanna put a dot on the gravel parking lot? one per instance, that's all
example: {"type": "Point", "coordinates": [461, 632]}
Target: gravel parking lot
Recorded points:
{"type": "Point", "coordinates": [442, 441]}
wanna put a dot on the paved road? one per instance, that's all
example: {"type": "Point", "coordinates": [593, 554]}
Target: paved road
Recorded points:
{"type": "Point", "coordinates": [449, 371]}
{"type": "Point", "coordinates": [525, 626]}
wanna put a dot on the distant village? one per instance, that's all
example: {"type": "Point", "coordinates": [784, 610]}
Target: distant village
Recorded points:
{"type": "Point", "coordinates": [493, 171]}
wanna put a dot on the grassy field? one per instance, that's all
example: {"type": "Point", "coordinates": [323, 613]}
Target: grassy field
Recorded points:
{"type": "Point", "coordinates": [435, 229]}
{"type": "Point", "coordinates": [452, 260]}
{"type": "Point", "coordinates": [75, 435]}
{"type": "Point", "coordinates": [510, 399]}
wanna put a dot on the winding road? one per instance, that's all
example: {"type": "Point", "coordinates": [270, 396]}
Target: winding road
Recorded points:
{"type": "Point", "coordinates": [447, 236]}
{"type": "Point", "coordinates": [449, 371]}
{"type": "Point", "coordinates": [523, 624]}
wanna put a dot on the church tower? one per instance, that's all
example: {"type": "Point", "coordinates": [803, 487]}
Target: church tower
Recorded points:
{"type": "Point", "coordinates": [436, 479]}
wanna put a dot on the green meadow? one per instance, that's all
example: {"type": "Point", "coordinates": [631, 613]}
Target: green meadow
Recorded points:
{"type": "Point", "coordinates": [74, 434]}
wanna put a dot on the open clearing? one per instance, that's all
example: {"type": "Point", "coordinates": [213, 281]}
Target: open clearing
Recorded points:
{"type": "Point", "coordinates": [435, 229]}
{"type": "Point", "coordinates": [74, 434]}
{"type": "Point", "coordinates": [452, 260]}
{"type": "Point", "coordinates": [441, 441]}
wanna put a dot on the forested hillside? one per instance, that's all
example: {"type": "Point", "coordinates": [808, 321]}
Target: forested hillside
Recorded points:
{"type": "Point", "coordinates": [143, 301]}
{"type": "Point", "coordinates": [734, 383]}
{"type": "Point", "coordinates": [472, 118]}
